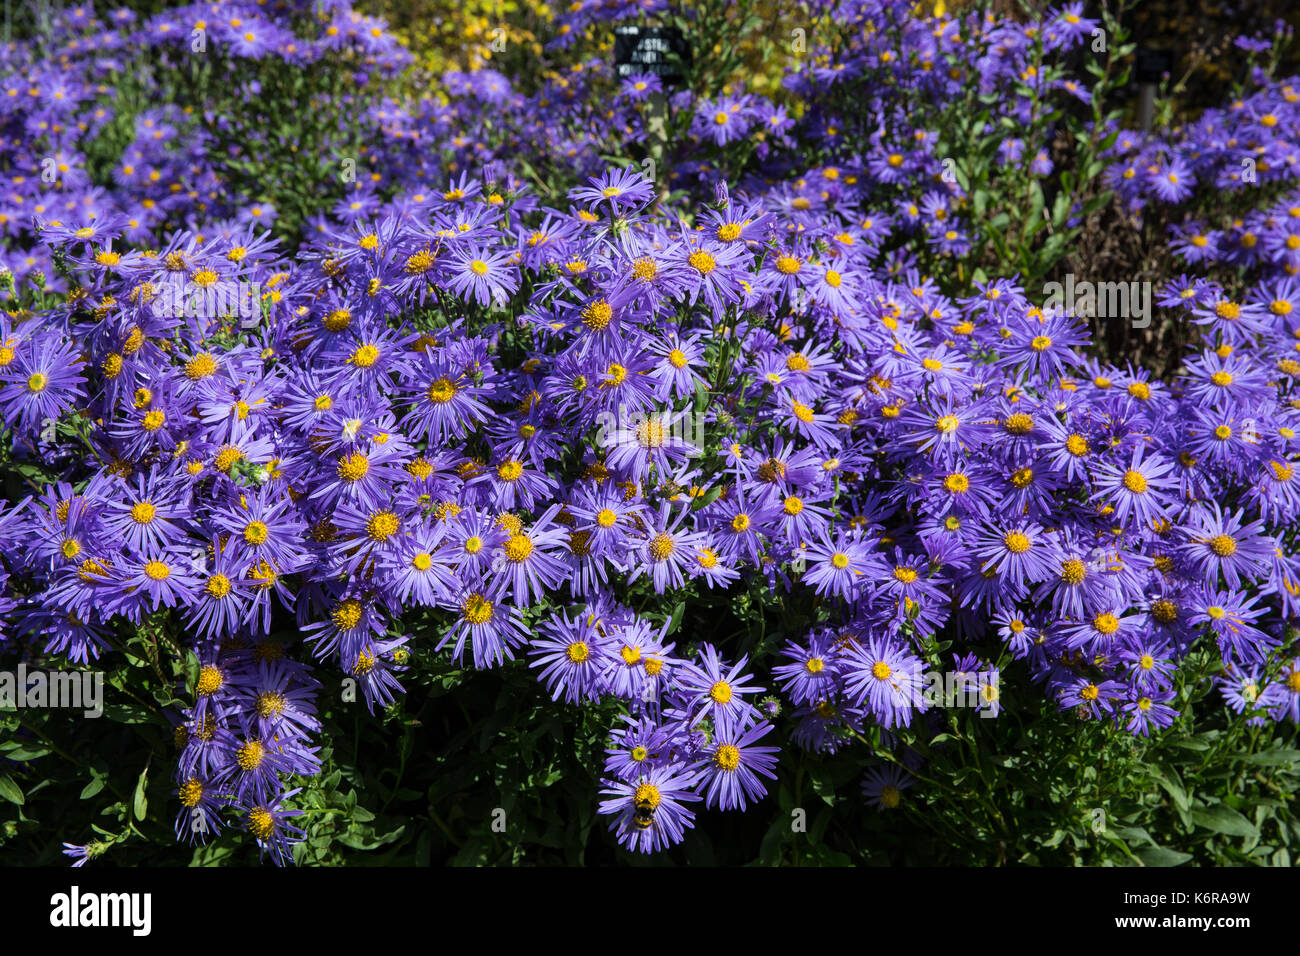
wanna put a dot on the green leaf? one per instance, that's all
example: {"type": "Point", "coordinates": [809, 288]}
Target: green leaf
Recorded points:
{"type": "Point", "coordinates": [1176, 793]}
{"type": "Point", "coordinates": [1162, 856]}
{"type": "Point", "coordinates": [140, 805]}
{"type": "Point", "coordinates": [1132, 834]}
{"type": "Point", "coordinates": [1060, 210]}
{"type": "Point", "coordinates": [769, 851]}
{"type": "Point", "coordinates": [1223, 820]}
{"type": "Point", "coordinates": [1280, 757]}
{"type": "Point", "coordinates": [701, 397]}
{"type": "Point", "coordinates": [706, 499]}
{"type": "Point", "coordinates": [92, 788]}
{"type": "Point", "coordinates": [20, 752]}
{"type": "Point", "coordinates": [10, 790]}
{"type": "Point", "coordinates": [1036, 200]}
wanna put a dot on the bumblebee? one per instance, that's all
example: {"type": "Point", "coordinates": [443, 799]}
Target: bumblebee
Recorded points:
{"type": "Point", "coordinates": [644, 815]}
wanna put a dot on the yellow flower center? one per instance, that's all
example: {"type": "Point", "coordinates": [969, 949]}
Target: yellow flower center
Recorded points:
{"type": "Point", "coordinates": [226, 458]}
{"type": "Point", "coordinates": [597, 315]}
{"type": "Point", "coordinates": [661, 546]}
{"type": "Point", "coordinates": [337, 321]}
{"type": "Point", "coordinates": [650, 433]}
{"type": "Point", "coordinates": [647, 795]}
{"type": "Point", "coordinates": [365, 356]}
{"type": "Point", "coordinates": [353, 467]}
{"type": "Point", "coordinates": [702, 262]}
{"type": "Point", "coordinates": [519, 547]}
{"type": "Point", "coordinates": [382, 526]}
{"type": "Point", "coordinates": [1073, 571]}
{"type": "Point", "coordinates": [1223, 546]}
{"type": "Point", "coordinates": [956, 483]}
{"type": "Point", "coordinates": [477, 609]}
{"type": "Point", "coordinates": [1017, 542]}
{"type": "Point", "coordinates": [210, 681]}
{"type": "Point", "coordinates": [1019, 424]}
{"type": "Point", "coordinates": [442, 391]}
{"type": "Point", "coordinates": [251, 755]}
{"type": "Point", "coordinates": [347, 614]}
{"type": "Point", "coordinates": [201, 366]}
{"type": "Point", "coordinates": [727, 757]}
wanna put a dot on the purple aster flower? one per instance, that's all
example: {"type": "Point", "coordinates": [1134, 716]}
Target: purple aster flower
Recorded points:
{"type": "Point", "coordinates": [493, 629]}
{"type": "Point", "coordinates": [1094, 698]}
{"type": "Point", "coordinates": [1139, 493]}
{"type": "Point", "coordinates": [665, 551]}
{"type": "Point", "coordinates": [717, 692]}
{"type": "Point", "coordinates": [1147, 710]}
{"type": "Point", "coordinates": [572, 657]}
{"type": "Point", "coordinates": [200, 814]}
{"type": "Point", "coordinates": [40, 384]}
{"type": "Point", "coordinates": [1017, 552]}
{"type": "Point", "coordinates": [650, 812]}
{"type": "Point", "coordinates": [731, 768]}
{"type": "Point", "coordinates": [487, 278]}
{"type": "Point", "coordinates": [1219, 544]}
{"type": "Point", "coordinates": [885, 678]}
{"type": "Point", "coordinates": [1284, 694]}
{"type": "Point", "coordinates": [814, 673]}
{"type": "Point", "coordinates": [839, 566]}
{"type": "Point", "coordinates": [268, 822]}
{"type": "Point", "coordinates": [1246, 693]}
{"type": "Point", "coordinates": [622, 189]}
{"type": "Point", "coordinates": [883, 786]}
